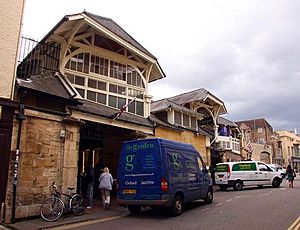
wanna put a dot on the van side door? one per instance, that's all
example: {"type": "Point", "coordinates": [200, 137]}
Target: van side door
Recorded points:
{"type": "Point", "coordinates": [193, 189]}
{"type": "Point", "coordinates": [265, 174]}
{"type": "Point", "coordinates": [175, 170]}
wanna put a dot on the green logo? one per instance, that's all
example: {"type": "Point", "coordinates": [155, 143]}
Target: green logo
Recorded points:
{"type": "Point", "coordinates": [176, 165]}
{"type": "Point", "coordinates": [129, 165]}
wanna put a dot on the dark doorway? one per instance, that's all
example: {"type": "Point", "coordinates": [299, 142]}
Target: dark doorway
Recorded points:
{"type": "Point", "coordinates": [6, 124]}
{"type": "Point", "coordinates": [100, 146]}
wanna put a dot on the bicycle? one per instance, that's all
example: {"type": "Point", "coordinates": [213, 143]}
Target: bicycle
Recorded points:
{"type": "Point", "coordinates": [53, 208]}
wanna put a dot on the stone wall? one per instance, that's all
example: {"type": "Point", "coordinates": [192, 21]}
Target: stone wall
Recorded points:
{"type": "Point", "coordinates": [45, 156]}
{"type": "Point", "coordinates": [199, 142]}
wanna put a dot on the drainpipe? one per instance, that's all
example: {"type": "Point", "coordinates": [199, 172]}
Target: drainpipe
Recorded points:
{"type": "Point", "coordinates": [20, 116]}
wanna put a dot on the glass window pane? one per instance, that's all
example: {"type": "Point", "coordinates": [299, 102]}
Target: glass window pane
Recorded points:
{"type": "Point", "coordinates": [102, 85]}
{"type": "Point", "coordinates": [101, 98]}
{"type": "Point", "coordinates": [121, 102]}
{"type": "Point", "coordinates": [80, 91]}
{"type": "Point", "coordinates": [70, 78]}
{"type": "Point", "coordinates": [121, 90]}
{"type": "Point", "coordinates": [186, 120]}
{"type": "Point", "coordinates": [131, 107]}
{"type": "Point", "coordinates": [91, 95]}
{"type": "Point", "coordinates": [92, 83]}
{"type": "Point", "coordinates": [140, 108]}
{"type": "Point", "coordinates": [79, 80]}
{"type": "Point", "coordinates": [112, 101]}
{"type": "Point", "coordinates": [177, 116]}
{"type": "Point", "coordinates": [113, 88]}
{"type": "Point", "coordinates": [193, 122]}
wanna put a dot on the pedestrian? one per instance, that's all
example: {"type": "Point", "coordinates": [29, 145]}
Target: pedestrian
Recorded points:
{"type": "Point", "coordinates": [290, 175]}
{"type": "Point", "coordinates": [90, 185]}
{"type": "Point", "coordinates": [105, 186]}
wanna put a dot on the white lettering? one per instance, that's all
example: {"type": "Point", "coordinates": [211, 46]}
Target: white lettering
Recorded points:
{"type": "Point", "coordinates": [130, 182]}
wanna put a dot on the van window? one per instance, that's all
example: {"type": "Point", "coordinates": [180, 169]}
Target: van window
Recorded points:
{"type": "Point", "coordinates": [190, 162]}
{"type": "Point", "coordinates": [263, 167]}
{"type": "Point", "coordinates": [244, 167]}
{"type": "Point", "coordinates": [221, 168]}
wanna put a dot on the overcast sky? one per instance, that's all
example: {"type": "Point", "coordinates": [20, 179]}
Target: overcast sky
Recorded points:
{"type": "Point", "coordinates": [247, 53]}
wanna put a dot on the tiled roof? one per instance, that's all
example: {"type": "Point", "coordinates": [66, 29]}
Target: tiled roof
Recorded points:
{"type": "Point", "coordinates": [48, 83]}
{"type": "Point", "coordinates": [105, 111]}
{"type": "Point", "coordinates": [164, 104]}
{"type": "Point", "coordinates": [195, 95]}
{"type": "Point", "coordinates": [224, 121]}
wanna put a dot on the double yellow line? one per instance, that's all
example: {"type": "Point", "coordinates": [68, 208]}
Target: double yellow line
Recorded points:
{"type": "Point", "coordinates": [295, 225]}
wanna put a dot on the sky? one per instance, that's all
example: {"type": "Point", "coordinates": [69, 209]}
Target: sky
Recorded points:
{"type": "Point", "coordinates": [245, 52]}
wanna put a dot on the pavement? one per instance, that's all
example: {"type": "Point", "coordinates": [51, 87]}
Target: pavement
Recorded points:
{"type": "Point", "coordinates": [95, 213]}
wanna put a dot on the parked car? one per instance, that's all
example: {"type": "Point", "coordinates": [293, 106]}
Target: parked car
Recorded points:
{"type": "Point", "coordinates": [245, 173]}
{"type": "Point", "coordinates": [278, 168]}
{"type": "Point", "coordinates": [157, 172]}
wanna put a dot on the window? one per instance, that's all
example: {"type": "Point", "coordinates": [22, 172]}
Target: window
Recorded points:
{"type": "Point", "coordinates": [193, 122]}
{"type": "Point", "coordinates": [259, 130]}
{"type": "Point", "coordinates": [96, 87]}
{"type": "Point", "coordinates": [244, 167]}
{"type": "Point", "coordinates": [186, 120]}
{"type": "Point", "coordinates": [177, 117]}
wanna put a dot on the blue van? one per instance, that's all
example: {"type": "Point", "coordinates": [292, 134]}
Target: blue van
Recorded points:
{"type": "Point", "coordinates": [158, 172]}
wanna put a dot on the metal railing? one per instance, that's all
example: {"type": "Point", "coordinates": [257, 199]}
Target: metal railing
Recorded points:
{"type": "Point", "coordinates": [36, 57]}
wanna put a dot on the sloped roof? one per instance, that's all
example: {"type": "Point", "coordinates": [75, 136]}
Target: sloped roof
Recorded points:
{"type": "Point", "coordinates": [48, 83]}
{"type": "Point", "coordinates": [195, 95]}
{"type": "Point", "coordinates": [164, 104]}
{"type": "Point", "coordinates": [224, 121]}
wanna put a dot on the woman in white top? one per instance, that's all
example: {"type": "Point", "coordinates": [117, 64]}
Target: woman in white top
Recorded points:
{"type": "Point", "coordinates": [105, 186]}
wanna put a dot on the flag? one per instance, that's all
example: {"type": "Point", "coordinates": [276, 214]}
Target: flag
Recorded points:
{"type": "Point", "coordinates": [249, 147]}
{"type": "Point", "coordinates": [122, 109]}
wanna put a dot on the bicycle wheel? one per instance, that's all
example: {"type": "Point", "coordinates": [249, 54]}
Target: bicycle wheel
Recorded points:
{"type": "Point", "coordinates": [51, 209]}
{"type": "Point", "coordinates": [76, 205]}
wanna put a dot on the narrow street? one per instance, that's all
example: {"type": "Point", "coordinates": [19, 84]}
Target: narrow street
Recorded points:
{"type": "Point", "coordinates": [251, 208]}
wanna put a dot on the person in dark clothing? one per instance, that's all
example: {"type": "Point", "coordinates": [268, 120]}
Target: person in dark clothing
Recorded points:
{"type": "Point", "coordinates": [290, 175]}
{"type": "Point", "coordinates": [212, 173]}
{"type": "Point", "coordinates": [90, 185]}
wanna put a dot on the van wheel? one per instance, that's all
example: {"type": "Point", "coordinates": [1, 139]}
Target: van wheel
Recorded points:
{"type": "Point", "coordinates": [176, 208]}
{"type": "Point", "coordinates": [134, 209]}
{"type": "Point", "coordinates": [238, 185]}
{"type": "Point", "coordinates": [209, 196]}
{"type": "Point", "coordinates": [276, 183]}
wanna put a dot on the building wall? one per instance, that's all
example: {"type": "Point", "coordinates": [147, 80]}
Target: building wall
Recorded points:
{"type": "Point", "coordinates": [44, 157]}
{"type": "Point", "coordinates": [262, 153]}
{"type": "Point", "coordinates": [288, 139]}
{"type": "Point", "coordinates": [10, 17]}
{"type": "Point", "coordinates": [199, 142]}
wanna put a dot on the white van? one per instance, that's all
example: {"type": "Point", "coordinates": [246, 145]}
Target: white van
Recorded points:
{"type": "Point", "coordinates": [245, 173]}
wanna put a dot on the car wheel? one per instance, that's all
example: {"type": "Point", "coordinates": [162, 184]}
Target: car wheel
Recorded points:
{"type": "Point", "coordinates": [209, 196]}
{"type": "Point", "coordinates": [223, 187]}
{"type": "Point", "coordinates": [177, 206]}
{"type": "Point", "coordinates": [134, 209]}
{"type": "Point", "coordinates": [276, 183]}
{"type": "Point", "coordinates": [238, 185]}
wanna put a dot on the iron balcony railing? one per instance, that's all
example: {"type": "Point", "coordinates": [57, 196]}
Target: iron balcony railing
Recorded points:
{"type": "Point", "coordinates": [36, 57]}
